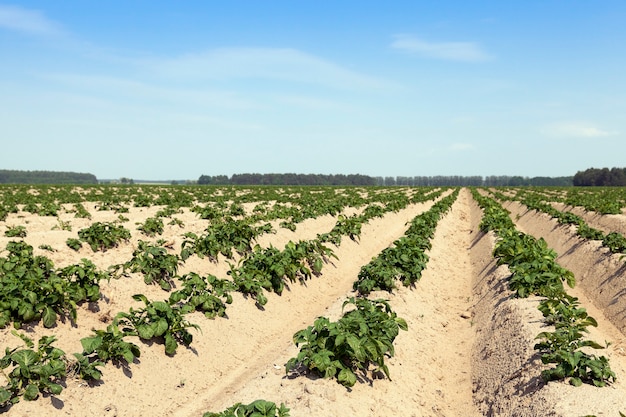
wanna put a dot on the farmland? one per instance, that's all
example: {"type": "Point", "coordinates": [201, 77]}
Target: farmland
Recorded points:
{"type": "Point", "coordinates": [202, 290]}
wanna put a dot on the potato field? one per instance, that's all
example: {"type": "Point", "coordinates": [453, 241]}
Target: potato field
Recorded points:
{"type": "Point", "coordinates": [195, 301]}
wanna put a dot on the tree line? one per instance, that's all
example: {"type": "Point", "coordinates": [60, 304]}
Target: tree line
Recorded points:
{"type": "Point", "coordinates": [45, 177]}
{"type": "Point", "coordinates": [288, 179]}
{"type": "Point", "coordinates": [601, 177]}
{"type": "Point", "coordinates": [364, 180]}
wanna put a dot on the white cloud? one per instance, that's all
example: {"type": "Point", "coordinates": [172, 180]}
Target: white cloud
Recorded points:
{"type": "Point", "coordinates": [27, 21]}
{"type": "Point", "coordinates": [283, 64]}
{"type": "Point", "coordinates": [458, 147]}
{"type": "Point", "coordinates": [128, 90]}
{"type": "Point", "coordinates": [452, 51]}
{"type": "Point", "coordinates": [575, 130]}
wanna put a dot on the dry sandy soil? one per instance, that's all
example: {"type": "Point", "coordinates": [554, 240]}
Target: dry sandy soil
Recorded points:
{"type": "Point", "coordinates": [468, 350]}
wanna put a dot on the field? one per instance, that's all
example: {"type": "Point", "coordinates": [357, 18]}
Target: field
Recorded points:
{"type": "Point", "coordinates": [271, 261]}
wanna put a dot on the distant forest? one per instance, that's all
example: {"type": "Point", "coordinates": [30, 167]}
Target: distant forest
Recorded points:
{"type": "Point", "coordinates": [287, 179]}
{"type": "Point", "coordinates": [604, 177]}
{"type": "Point", "coordinates": [357, 179]}
{"type": "Point", "coordinates": [45, 177]}
{"type": "Point", "coordinates": [614, 177]}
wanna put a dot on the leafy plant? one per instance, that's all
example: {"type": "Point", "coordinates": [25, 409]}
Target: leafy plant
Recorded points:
{"type": "Point", "coordinates": [615, 242]}
{"type": "Point", "coordinates": [32, 289]}
{"type": "Point", "coordinates": [587, 232]}
{"type": "Point", "coordinates": [532, 264]}
{"type": "Point", "coordinates": [222, 237]}
{"type": "Point", "coordinates": [34, 371]}
{"type": "Point", "coordinates": [109, 345]}
{"type": "Point", "coordinates": [85, 368]}
{"type": "Point", "coordinates": [346, 226]}
{"type": "Point", "coordinates": [83, 280]}
{"type": "Point", "coordinates": [151, 227]}
{"type": "Point", "coordinates": [62, 225]}
{"type": "Point", "coordinates": [562, 346]}
{"type": "Point", "coordinates": [158, 319]}
{"type": "Point", "coordinates": [176, 222]}
{"type": "Point", "coordinates": [258, 408]}
{"type": "Point", "coordinates": [15, 231]}
{"type": "Point", "coordinates": [74, 243]}
{"type": "Point", "coordinates": [81, 211]}
{"type": "Point", "coordinates": [47, 247]}
{"type": "Point", "coordinates": [103, 236]}
{"type": "Point", "coordinates": [361, 337]}
{"type": "Point", "coordinates": [29, 287]}
{"type": "Point", "coordinates": [207, 294]}
{"type": "Point", "coordinates": [156, 265]}
{"type": "Point", "coordinates": [575, 364]}
{"type": "Point", "coordinates": [269, 268]}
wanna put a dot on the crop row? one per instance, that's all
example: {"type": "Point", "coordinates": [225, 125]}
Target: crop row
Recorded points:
{"type": "Point", "coordinates": [365, 335]}
{"type": "Point", "coordinates": [613, 241]}
{"type": "Point", "coordinates": [534, 271]}
{"type": "Point", "coordinates": [289, 202]}
{"type": "Point", "coordinates": [603, 200]}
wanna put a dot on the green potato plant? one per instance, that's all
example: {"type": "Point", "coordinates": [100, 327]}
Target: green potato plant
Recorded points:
{"type": "Point", "coordinates": [101, 236]}
{"type": "Point", "coordinates": [340, 349]}
{"type": "Point", "coordinates": [258, 408]}
{"type": "Point", "coordinates": [155, 263]}
{"type": "Point", "coordinates": [158, 319]}
{"type": "Point", "coordinates": [32, 371]}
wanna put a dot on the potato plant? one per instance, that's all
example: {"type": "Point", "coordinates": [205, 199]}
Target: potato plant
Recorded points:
{"type": "Point", "coordinates": [109, 345]}
{"type": "Point", "coordinates": [222, 237]}
{"type": "Point", "coordinates": [206, 294]}
{"type": "Point", "coordinates": [101, 236]}
{"type": "Point", "coordinates": [16, 231]}
{"type": "Point", "coordinates": [258, 408]}
{"type": "Point", "coordinates": [270, 268]}
{"type": "Point", "coordinates": [32, 371]}
{"type": "Point", "coordinates": [405, 260]}
{"type": "Point", "coordinates": [73, 243]}
{"type": "Point", "coordinates": [32, 289]}
{"type": "Point", "coordinates": [361, 337]}
{"type": "Point", "coordinates": [152, 226]}
{"type": "Point", "coordinates": [155, 264]}
{"type": "Point", "coordinates": [157, 319]}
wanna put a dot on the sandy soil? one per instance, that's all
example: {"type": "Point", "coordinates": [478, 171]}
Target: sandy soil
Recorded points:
{"type": "Point", "coordinates": [468, 350]}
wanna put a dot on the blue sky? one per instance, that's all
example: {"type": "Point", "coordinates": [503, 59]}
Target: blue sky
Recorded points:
{"type": "Point", "coordinates": [175, 90]}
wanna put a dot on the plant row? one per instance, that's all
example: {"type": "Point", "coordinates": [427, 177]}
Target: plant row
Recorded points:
{"type": "Point", "coordinates": [534, 271]}
{"type": "Point", "coordinates": [406, 258]}
{"type": "Point", "coordinates": [345, 349]}
{"type": "Point", "coordinates": [613, 241]}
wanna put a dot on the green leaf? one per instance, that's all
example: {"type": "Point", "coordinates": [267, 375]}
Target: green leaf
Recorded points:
{"type": "Point", "coordinates": [55, 389]}
{"type": "Point", "coordinates": [4, 395]}
{"type": "Point", "coordinates": [31, 392]}
{"type": "Point", "coordinates": [346, 377]}
{"type": "Point", "coordinates": [49, 317]}
{"type": "Point", "coordinates": [145, 331]}
{"type": "Point", "coordinates": [25, 358]}
{"type": "Point", "coordinates": [160, 327]}
{"type": "Point", "coordinates": [266, 408]}
{"type": "Point", "coordinates": [402, 323]}
{"type": "Point", "coordinates": [90, 344]}
{"type": "Point", "coordinates": [577, 382]}
{"type": "Point", "coordinates": [170, 344]}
